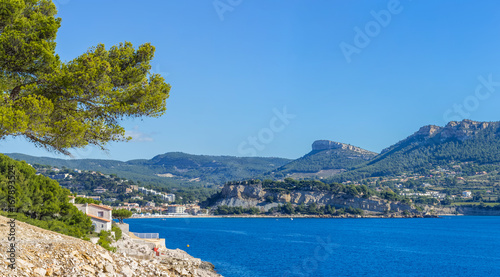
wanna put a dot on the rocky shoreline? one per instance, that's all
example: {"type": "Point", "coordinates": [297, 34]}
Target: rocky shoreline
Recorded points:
{"type": "Point", "coordinates": [247, 195]}
{"type": "Point", "coordinates": [39, 252]}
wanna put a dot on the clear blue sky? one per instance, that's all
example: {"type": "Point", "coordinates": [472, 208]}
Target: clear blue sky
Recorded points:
{"type": "Point", "coordinates": [231, 69]}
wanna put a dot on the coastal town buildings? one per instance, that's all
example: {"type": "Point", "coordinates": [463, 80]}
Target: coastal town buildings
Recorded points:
{"type": "Point", "coordinates": [130, 206]}
{"type": "Point", "coordinates": [176, 209]}
{"type": "Point", "coordinates": [153, 209]}
{"type": "Point", "coordinates": [192, 209]}
{"type": "Point", "coordinates": [169, 197]}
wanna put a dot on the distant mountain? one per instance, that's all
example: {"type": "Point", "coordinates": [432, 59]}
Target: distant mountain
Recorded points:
{"type": "Point", "coordinates": [326, 159]}
{"type": "Point", "coordinates": [466, 141]}
{"type": "Point", "coordinates": [215, 169]}
{"type": "Point", "coordinates": [171, 168]}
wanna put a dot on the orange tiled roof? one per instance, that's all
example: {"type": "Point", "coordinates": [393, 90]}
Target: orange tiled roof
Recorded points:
{"type": "Point", "coordinates": [101, 206]}
{"type": "Point", "coordinates": [100, 218]}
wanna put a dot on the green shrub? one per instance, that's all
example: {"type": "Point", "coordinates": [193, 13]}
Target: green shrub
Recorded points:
{"type": "Point", "coordinates": [105, 241]}
{"type": "Point", "coordinates": [118, 232]}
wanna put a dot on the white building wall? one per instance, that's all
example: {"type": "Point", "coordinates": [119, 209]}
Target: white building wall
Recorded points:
{"type": "Point", "coordinates": [101, 225]}
{"type": "Point", "coordinates": [93, 210]}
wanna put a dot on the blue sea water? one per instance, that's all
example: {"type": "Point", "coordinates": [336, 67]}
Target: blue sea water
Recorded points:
{"type": "Point", "coordinates": [266, 247]}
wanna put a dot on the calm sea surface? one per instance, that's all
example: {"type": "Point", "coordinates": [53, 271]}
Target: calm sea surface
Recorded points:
{"type": "Point", "coordinates": [240, 247]}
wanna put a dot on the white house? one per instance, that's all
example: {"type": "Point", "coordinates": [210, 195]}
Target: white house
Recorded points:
{"type": "Point", "coordinates": [100, 215]}
{"type": "Point", "coordinates": [100, 190]}
{"type": "Point", "coordinates": [61, 176]}
{"type": "Point", "coordinates": [467, 194]}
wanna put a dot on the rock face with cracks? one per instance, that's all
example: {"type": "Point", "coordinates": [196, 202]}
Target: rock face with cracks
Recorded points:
{"type": "Point", "coordinates": [41, 252]}
{"type": "Point", "coordinates": [239, 195]}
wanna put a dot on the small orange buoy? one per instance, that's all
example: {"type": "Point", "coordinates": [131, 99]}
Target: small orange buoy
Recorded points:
{"type": "Point", "coordinates": [188, 245]}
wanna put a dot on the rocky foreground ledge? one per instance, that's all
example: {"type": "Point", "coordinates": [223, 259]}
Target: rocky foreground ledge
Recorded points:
{"type": "Point", "coordinates": [41, 252]}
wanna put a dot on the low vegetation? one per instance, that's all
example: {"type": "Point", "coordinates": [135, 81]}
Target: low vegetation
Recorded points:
{"type": "Point", "coordinates": [289, 209]}
{"type": "Point", "coordinates": [118, 232]}
{"type": "Point", "coordinates": [105, 240]}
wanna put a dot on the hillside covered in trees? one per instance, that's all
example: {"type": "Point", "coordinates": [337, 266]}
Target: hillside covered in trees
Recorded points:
{"type": "Point", "coordinates": [38, 200]}
{"type": "Point", "coordinates": [171, 169]}
{"type": "Point", "coordinates": [116, 190]}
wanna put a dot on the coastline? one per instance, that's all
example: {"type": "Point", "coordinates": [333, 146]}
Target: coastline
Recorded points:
{"type": "Point", "coordinates": [41, 252]}
{"type": "Point", "coordinates": [290, 216]}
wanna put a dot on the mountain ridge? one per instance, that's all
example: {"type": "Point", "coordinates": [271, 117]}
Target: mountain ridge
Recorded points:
{"type": "Point", "coordinates": [460, 130]}
{"type": "Point", "coordinates": [211, 170]}
{"type": "Point", "coordinates": [432, 146]}
{"type": "Point", "coordinates": [320, 145]}
{"type": "Point", "coordinates": [428, 147]}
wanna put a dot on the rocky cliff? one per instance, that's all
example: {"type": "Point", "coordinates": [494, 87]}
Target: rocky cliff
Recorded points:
{"type": "Point", "coordinates": [462, 210]}
{"type": "Point", "coordinates": [321, 145]}
{"type": "Point", "coordinates": [44, 253]}
{"type": "Point", "coordinates": [460, 130]}
{"type": "Point", "coordinates": [477, 211]}
{"type": "Point", "coordinates": [326, 159]}
{"type": "Point", "coordinates": [457, 130]}
{"type": "Point", "coordinates": [255, 196]}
